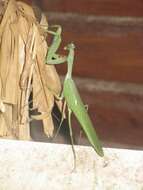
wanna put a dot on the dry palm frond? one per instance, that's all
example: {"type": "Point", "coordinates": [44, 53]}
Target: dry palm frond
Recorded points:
{"type": "Point", "coordinates": [23, 71]}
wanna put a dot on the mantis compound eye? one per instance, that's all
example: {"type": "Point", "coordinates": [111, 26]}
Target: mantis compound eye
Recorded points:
{"type": "Point", "coordinates": [69, 46]}
{"type": "Point", "coordinates": [72, 45]}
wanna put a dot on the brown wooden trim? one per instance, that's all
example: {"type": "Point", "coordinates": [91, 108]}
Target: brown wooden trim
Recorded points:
{"type": "Point", "coordinates": [96, 7]}
{"type": "Point", "coordinates": [106, 48]}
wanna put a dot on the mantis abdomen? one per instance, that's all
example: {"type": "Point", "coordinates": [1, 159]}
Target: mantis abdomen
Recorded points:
{"type": "Point", "coordinates": [76, 105]}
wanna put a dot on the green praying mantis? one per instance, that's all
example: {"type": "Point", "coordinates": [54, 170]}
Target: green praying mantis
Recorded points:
{"type": "Point", "coordinates": [70, 92]}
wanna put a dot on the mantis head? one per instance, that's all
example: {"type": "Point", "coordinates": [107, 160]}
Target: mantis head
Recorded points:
{"type": "Point", "coordinates": [70, 59]}
{"type": "Point", "coordinates": [69, 46]}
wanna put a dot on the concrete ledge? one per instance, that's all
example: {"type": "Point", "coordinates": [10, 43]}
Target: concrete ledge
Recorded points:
{"type": "Point", "coordinates": [42, 166]}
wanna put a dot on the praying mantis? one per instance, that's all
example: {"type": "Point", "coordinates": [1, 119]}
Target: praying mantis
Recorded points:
{"type": "Point", "coordinates": [70, 92]}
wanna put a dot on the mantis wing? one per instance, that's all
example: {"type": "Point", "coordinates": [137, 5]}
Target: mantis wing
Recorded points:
{"type": "Point", "coordinates": [77, 107]}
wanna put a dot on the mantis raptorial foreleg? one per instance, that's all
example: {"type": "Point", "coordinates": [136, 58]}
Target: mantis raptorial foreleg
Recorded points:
{"type": "Point", "coordinates": [52, 56]}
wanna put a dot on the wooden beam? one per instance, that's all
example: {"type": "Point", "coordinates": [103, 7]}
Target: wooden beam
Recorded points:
{"type": "Point", "coordinates": [108, 48]}
{"type": "Point", "coordinates": [96, 7]}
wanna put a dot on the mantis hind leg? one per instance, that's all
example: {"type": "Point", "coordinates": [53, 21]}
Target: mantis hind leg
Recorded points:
{"type": "Point", "coordinates": [62, 119]}
{"type": "Point", "coordinates": [71, 136]}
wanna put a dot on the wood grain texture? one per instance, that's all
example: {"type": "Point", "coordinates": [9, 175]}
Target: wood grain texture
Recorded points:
{"type": "Point", "coordinates": [107, 48]}
{"type": "Point", "coordinates": [116, 114]}
{"type": "Point", "coordinates": [96, 7]}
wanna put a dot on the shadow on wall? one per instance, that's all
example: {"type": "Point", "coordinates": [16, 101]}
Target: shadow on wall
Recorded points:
{"type": "Point", "coordinates": [37, 132]}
